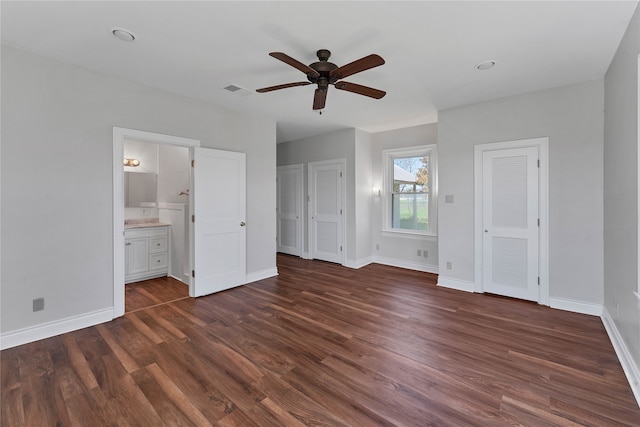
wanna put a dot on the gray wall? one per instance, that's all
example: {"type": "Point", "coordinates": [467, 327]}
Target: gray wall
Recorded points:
{"type": "Point", "coordinates": [395, 249]}
{"type": "Point", "coordinates": [621, 190]}
{"type": "Point", "coordinates": [363, 198]}
{"type": "Point", "coordinates": [572, 118]}
{"type": "Point", "coordinates": [57, 208]}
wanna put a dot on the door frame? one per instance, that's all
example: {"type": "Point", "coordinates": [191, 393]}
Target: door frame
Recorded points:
{"type": "Point", "coordinates": [119, 135]}
{"type": "Point", "coordinates": [310, 240]}
{"type": "Point", "coordinates": [300, 197]}
{"type": "Point", "coordinates": [543, 205]}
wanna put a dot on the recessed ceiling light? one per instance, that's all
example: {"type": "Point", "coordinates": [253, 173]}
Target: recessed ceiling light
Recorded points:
{"type": "Point", "coordinates": [123, 34]}
{"type": "Point", "coordinates": [485, 65]}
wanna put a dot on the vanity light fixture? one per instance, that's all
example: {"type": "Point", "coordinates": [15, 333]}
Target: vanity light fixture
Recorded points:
{"type": "Point", "coordinates": [131, 162]}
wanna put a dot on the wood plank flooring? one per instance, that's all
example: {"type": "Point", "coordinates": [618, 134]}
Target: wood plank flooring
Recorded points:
{"type": "Point", "coordinates": [325, 345]}
{"type": "Point", "coordinates": [148, 293]}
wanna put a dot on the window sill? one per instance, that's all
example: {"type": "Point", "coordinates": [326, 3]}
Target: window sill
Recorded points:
{"type": "Point", "coordinates": [410, 235]}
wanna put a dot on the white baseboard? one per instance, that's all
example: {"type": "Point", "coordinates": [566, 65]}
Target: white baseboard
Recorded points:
{"type": "Point", "coordinates": [51, 329]}
{"type": "Point", "coordinates": [631, 370]}
{"type": "Point", "coordinates": [262, 274]}
{"type": "Point", "coordinates": [576, 306]}
{"type": "Point", "coordinates": [305, 255]}
{"type": "Point", "coordinates": [457, 284]}
{"type": "Point", "coordinates": [359, 263]}
{"type": "Point", "coordinates": [394, 262]}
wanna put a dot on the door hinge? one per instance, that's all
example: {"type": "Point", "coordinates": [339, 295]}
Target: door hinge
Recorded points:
{"type": "Point", "coordinates": [340, 211]}
{"type": "Point", "coordinates": [340, 248]}
{"type": "Point", "coordinates": [538, 162]}
{"type": "Point", "coordinates": [538, 222]}
{"type": "Point", "coordinates": [193, 163]}
{"type": "Point", "coordinates": [538, 280]}
{"type": "Point", "coordinates": [193, 218]}
{"type": "Point", "coordinates": [193, 273]}
{"type": "Point", "coordinates": [308, 198]}
{"type": "Point", "coordinates": [340, 174]}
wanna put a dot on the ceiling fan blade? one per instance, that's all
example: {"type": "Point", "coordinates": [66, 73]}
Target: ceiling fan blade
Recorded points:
{"type": "Point", "coordinates": [320, 99]}
{"type": "Point", "coordinates": [356, 66]}
{"type": "Point", "coordinates": [295, 63]}
{"type": "Point", "coordinates": [284, 86]}
{"type": "Point", "coordinates": [361, 90]}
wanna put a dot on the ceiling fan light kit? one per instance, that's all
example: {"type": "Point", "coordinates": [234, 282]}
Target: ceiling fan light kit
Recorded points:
{"type": "Point", "coordinates": [324, 73]}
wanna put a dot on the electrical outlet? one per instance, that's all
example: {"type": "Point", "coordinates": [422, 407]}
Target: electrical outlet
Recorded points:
{"type": "Point", "coordinates": [425, 254]}
{"type": "Point", "coordinates": [38, 304]}
{"type": "Point", "coordinates": [449, 265]}
{"type": "Point", "coordinates": [419, 252]}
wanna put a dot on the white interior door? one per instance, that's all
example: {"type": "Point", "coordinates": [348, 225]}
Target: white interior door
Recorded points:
{"type": "Point", "coordinates": [218, 229]}
{"type": "Point", "coordinates": [325, 197]}
{"type": "Point", "coordinates": [510, 220]}
{"type": "Point", "coordinates": [289, 209]}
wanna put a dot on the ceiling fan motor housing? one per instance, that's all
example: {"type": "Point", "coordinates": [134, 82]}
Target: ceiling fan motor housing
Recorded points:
{"type": "Point", "coordinates": [324, 68]}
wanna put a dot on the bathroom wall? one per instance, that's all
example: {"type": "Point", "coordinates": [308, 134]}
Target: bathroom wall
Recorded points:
{"type": "Point", "coordinates": [173, 178]}
{"type": "Point", "coordinates": [173, 173]}
{"type": "Point", "coordinates": [143, 151]}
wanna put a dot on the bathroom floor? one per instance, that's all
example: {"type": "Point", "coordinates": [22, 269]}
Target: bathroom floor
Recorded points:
{"type": "Point", "coordinates": [153, 292]}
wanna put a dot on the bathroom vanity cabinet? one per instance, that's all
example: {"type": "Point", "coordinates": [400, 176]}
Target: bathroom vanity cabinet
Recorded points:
{"type": "Point", "coordinates": [146, 252]}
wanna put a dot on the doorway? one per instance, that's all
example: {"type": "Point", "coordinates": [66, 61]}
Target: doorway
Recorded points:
{"type": "Point", "coordinates": [120, 135]}
{"type": "Point", "coordinates": [217, 213]}
{"type": "Point", "coordinates": [511, 219]}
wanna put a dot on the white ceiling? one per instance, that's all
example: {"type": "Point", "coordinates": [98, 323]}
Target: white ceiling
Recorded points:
{"type": "Point", "coordinates": [431, 48]}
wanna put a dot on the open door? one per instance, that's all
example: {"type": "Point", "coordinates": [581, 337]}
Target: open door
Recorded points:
{"type": "Point", "coordinates": [218, 221]}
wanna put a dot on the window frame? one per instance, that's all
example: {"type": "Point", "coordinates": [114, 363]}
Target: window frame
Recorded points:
{"type": "Point", "coordinates": [387, 190]}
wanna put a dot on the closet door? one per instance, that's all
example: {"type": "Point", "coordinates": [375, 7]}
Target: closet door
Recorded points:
{"type": "Point", "coordinates": [289, 209]}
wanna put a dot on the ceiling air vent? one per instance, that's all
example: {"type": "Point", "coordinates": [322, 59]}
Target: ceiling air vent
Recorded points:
{"type": "Point", "coordinates": [235, 89]}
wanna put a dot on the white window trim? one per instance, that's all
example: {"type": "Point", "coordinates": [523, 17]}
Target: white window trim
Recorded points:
{"type": "Point", "coordinates": [387, 180]}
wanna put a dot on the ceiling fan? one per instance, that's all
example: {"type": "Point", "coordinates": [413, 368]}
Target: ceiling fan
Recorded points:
{"type": "Point", "coordinates": [323, 73]}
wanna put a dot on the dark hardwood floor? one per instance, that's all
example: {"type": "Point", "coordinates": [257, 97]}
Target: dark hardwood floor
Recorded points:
{"type": "Point", "coordinates": [152, 292]}
{"type": "Point", "coordinates": [324, 345]}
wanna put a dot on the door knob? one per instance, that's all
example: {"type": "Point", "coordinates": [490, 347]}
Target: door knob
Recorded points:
{"type": "Point", "coordinates": [242, 224]}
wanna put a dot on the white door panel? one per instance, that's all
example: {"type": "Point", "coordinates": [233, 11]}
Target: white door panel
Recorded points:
{"type": "Point", "coordinates": [289, 209]}
{"type": "Point", "coordinates": [219, 231]}
{"type": "Point", "coordinates": [510, 222]}
{"type": "Point", "coordinates": [325, 181]}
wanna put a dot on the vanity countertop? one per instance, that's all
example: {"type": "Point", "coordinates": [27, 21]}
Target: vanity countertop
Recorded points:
{"type": "Point", "coordinates": [143, 223]}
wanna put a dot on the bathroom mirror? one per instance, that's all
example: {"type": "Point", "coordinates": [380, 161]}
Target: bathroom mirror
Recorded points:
{"type": "Point", "coordinates": [140, 189]}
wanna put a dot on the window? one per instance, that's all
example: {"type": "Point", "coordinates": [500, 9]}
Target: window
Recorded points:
{"type": "Point", "coordinates": [410, 190]}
